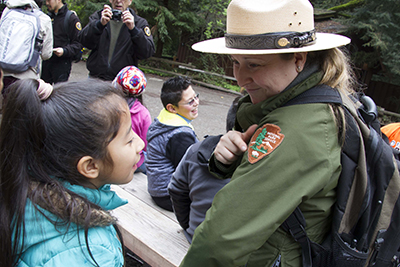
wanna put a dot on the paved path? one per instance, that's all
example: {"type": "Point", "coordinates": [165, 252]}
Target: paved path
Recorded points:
{"type": "Point", "coordinates": [214, 104]}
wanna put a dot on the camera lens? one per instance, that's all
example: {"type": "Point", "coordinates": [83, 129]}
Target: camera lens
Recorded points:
{"type": "Point", "coordinates": [116, 14]}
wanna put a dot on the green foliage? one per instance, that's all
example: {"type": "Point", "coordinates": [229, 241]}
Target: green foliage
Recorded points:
{"type": "Point", "coordinates": [377, 23]}
{"type": "Point", "coordinates": [214, 13]}
{"type": "Point", "coordinates": [172, 18]}
{"type": "Point", "coordinates": [169, 19]}
{"type": "Point", "coordinates": [85, 8]}
{"type": "Point", "coordinates": [349, 5]}
{"type": "Point", "coordinates": [326, 4]}
{"type": "Point", "coordinates": [155, 72]}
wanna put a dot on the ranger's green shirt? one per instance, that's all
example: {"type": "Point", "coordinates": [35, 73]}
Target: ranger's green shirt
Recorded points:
{"type": "Point", "coordinates": [242, 226]}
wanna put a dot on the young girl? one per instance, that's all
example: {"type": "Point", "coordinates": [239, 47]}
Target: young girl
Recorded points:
{"type": "Point", "coordinates": [132, 82]}
{"type": "Point", "coordinates": [59, 151]}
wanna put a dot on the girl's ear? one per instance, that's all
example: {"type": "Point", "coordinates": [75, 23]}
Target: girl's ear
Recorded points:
{"type": "Point", "coordinates": [171, 108]}
{"type": "Point", "coordinates": [88, 167]}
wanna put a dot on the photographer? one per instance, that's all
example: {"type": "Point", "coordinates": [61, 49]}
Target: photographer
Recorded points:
{"type": "Point", "coordinates": [118, 37]}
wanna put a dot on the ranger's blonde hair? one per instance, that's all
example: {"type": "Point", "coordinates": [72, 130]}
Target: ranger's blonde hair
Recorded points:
{"type": "Point", "coordinates": [337, 69]}
{"type": "Point", "coordinates": [338, 73]}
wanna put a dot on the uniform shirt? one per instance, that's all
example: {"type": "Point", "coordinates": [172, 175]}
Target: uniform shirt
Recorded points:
{"type": "Point", "coordinates": [68, 41]}
{"type": "Point", "coordinates": [293, 160]}
{"type": "Point", "coordinates": [131, 46]}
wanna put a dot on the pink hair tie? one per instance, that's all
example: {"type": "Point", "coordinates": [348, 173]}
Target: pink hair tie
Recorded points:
{"type": "Point", "coordinates": [44, 90]}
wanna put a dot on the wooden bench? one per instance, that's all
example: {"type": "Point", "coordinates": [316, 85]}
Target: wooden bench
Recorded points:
{"type": "Point", "coordinates": [149, 231]}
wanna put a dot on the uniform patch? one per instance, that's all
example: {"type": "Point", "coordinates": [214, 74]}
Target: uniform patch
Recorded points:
{"type": "Point", "coordinates": [264, 141]}
{"type": "Point", "coordinates": [147, 31]}
{"type": "Point", "coordinates": [78, 26]}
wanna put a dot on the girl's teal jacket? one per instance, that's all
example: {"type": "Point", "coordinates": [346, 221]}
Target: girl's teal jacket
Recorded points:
{"type": "Point", "coordinates": [301, 168]}
{"type": "Point", "coordinates": [47, 245]}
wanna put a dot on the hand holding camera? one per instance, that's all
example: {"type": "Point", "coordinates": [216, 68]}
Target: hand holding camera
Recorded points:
{"type": "Point", "coordinates": [115, 14]}
{"type": "Point", "coordinates": [128, 19]}
{"type": "Point", "coordinates": [106, 15]}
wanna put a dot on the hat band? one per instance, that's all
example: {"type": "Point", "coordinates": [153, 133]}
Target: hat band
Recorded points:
{"type": "Point", "coordinates": [270, 40]}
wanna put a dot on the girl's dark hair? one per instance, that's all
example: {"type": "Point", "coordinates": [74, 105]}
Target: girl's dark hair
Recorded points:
{"type": "Point", "coordinates": [44, 140]}
{"type": "Point", "coordinates": [171, 91]}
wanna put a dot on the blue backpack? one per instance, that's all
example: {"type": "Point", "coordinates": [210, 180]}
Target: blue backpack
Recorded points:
{"type": "Point", "coordinates": [366, 216]}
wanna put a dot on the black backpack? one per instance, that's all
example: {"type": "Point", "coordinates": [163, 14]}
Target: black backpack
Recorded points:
{"type": "Point", "coordinates": [366, 217]}
{"type": "Point", "coordinates": [78, 56]}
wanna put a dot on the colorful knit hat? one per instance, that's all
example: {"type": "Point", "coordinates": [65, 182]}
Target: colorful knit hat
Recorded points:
{"type": "Point", "coordinates": [131, 81]}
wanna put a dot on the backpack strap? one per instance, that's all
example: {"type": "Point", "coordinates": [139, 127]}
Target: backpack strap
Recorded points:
{"type": "Point", "coordinates": [295, 224]}
{"type": "Point", "coordinates": [77, 57]}
{"type": "Point", "coordinates": [319, 94]}
{"type": "Point", "coordinates": [66, 23]}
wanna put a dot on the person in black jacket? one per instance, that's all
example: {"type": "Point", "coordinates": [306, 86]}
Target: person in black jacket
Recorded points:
{"type": "Point", "coordinates": [118, 37]}
{"type": "Point", "coordinates": [66, 44]}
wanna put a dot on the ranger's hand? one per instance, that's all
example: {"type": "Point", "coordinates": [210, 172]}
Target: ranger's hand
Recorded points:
{"type": "Point", "coordinates": [232, 145]}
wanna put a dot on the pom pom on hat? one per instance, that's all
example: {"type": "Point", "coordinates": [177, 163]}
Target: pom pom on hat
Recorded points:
{"type": "Point", "coordinates": [131, 81]}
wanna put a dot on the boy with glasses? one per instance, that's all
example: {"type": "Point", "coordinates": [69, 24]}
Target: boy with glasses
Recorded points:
{"type": "Point", "coordinates": [169, 136]}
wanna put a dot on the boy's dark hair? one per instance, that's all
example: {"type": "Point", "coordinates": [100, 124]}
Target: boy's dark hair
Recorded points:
{"type": "Point", "coordinates": [41, 141]}
{"type": "Point", "coordinates": [171, 91]}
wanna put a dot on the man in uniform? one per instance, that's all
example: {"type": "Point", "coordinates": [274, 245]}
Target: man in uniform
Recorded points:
{"type": "Point", "coordinates": [66, 44]}
{"type": "Point", "coordinates": [117, 37]}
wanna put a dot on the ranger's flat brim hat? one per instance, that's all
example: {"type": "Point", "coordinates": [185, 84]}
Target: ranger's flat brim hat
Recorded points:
{"type": "Point", "coordinates": [270, 27]}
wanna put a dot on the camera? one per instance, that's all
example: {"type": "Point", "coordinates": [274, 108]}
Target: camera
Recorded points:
{"type": "Point", "coordinates": [116, 14]}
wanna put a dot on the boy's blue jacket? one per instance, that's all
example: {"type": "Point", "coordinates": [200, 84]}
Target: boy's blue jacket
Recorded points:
{"type": "Point", "coordinates": [168, 128]}
{"type": "Point", "coordinates": [46, 245]}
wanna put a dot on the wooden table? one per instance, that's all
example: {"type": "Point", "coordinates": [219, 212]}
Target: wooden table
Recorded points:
{"type": "Point", "coordinates": [149, 231]}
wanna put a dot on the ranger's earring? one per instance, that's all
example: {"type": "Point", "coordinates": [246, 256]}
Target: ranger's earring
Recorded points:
{"type": "Point", "coordinates": [298, 69]}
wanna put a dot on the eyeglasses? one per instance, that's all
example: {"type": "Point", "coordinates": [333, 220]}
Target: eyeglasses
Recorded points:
{"type": "Point", "coordinates": [191, 102]}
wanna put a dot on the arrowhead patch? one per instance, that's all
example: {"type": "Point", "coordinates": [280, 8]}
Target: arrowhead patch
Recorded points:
{"type": "Point", "coordinates": [264, 141]}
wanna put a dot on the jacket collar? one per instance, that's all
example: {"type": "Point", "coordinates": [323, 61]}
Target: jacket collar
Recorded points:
{"type": "Point", "coordinates": [168, 118]}
{"type": "Point", "coordinates": [249, 113]}
{"type": "Point", "coordinates": [53, 199]}
{"type": "Point", "coordinates": [61, 11]}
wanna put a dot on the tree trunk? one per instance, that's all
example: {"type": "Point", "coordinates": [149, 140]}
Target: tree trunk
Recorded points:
{"type": "Point", "coordinates": [159, 48]}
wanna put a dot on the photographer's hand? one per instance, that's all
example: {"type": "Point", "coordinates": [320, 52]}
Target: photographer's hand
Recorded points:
{"type": "Point", "coordinates": [106, 15]}
{"type": "Point", "coordinates": [128, 19]}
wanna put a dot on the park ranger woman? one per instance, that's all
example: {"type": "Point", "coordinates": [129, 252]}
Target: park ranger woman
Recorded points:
{"type": "Point", "coordinates": [279, 156]}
